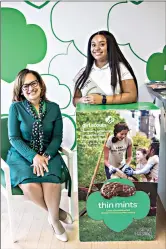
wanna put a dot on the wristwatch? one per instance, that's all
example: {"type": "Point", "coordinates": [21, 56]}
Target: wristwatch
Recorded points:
{"type": "Point", "coordinates": [47, 155]}
{"type": "Point", "coordinates": [104, 99]}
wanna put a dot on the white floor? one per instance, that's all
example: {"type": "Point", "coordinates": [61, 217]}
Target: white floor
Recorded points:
{"type": "Point", "coordinates": [34, 231]}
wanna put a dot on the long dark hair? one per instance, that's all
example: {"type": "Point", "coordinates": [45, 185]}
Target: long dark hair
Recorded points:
{"type": "Point", "coordinates": [118, 128]}
{"type": "Point", "coordinates": [155, 145]}
{"type": "Point", "coordinates": [115, 56]}
{"type": "Point", "coordinates": [17, 92]}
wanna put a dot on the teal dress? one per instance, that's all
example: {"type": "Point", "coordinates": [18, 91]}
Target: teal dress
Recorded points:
{"type": "Point", "coordinates": [20, 155]}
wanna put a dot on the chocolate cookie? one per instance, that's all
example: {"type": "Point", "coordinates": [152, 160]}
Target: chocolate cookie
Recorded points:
{"type": "Point", "coordinates": [111, 189]}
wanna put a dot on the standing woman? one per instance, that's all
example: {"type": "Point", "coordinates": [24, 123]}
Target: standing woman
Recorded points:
{"type": "Point", "coordinates": [35, 134]}
{"type": "Point", "coordinates": [118, 150]}
{"type": "Point", "coordinates": [108, 77]}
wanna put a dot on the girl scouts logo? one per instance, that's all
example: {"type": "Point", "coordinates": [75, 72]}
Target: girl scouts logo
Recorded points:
{"type": "Point", "coordinates": [109, 120]}
{"type": "Point", "coordinates": [118, 211]}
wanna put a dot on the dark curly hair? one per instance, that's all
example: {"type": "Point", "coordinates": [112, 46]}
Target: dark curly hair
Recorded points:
{"type": "Point", "coordinates": [118, 128]}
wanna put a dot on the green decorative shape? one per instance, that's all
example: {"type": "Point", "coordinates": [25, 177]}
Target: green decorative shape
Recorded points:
{"type": "Point", "coordinates": [74, 124]}
{"type": "Point", "coordinates": [118, 213]}
{"type": "Point", "coordinates": [136, 2]}
{"type": "Point", "coordinates": [75, 45]}
{"type": "Point", "coordinates": [60, 85]}
{"type": "Point", "coordinates": [67, 50]}
{"type": "Point", "coordinates": [21, 43]}
{"type": "Point", "coordinates": [155, 66]}
{"type": "Point", "coordinates": [128, 43]}
{"type": "Point", "coordinates": [37, 6]}
{"type": "Point", "coordinates": [71, 41]}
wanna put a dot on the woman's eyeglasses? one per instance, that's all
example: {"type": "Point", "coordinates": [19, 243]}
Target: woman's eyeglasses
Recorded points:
{"type": "Point", "coordinates": [33, 84]}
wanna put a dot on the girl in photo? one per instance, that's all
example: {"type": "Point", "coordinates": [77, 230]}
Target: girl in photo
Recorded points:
{"type": "Point", "coordinates": [141, 160]}
{"type": "Point", "coordinates": [151, 169]}
{"type": "Point", "coordinates": [118, 150]}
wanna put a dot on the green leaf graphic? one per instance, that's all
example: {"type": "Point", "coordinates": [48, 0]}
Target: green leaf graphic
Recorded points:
{"type": "Point", "coordinates": [155, 66]}
{"type": "Point", "coordinates": [74, 124]}
{"type": "Point", "coordinates": [136, 2]}
{"type": "Point", "coordinates": [55, 81]}
{"type": "Point", "coordinates": [37, 6]}
{"type": "Point", "coordinates": [118, 213]}
{"type": "Point", "coordinates": [21, 44]}
{"type": "Point", "coordinates": [109, 27]}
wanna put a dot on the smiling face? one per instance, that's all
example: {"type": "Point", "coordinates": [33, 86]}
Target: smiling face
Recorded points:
{"type": "Point", "coordinates": [140, 156]}
{"type": "Point", "coordinates": [122, 134]}
{"type": "Point", "coordinates": [99, 48]}
{"type": "Point", "coordinates": [31, 88]}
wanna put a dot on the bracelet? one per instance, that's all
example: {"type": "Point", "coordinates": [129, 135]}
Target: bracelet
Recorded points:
{"type": "Point", "coordinates": [47, 155]}
{"type": "Point", "coordinates": [104, 99]}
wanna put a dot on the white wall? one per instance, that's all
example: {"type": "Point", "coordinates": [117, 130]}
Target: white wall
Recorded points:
{"type": "Point", "coordinates": [138, 28]}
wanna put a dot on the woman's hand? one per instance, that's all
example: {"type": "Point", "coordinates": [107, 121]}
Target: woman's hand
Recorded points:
{"type": "Point", "coordinates": [112, 169]}
{"type": "Point", "coordinates": [94, 99]}
{"type": "Point", "coordinates": [40, 165]}
{"type": "Point", "coordinates": [83, 100]}
{"type": "Point", "coordinates": [129, 171]}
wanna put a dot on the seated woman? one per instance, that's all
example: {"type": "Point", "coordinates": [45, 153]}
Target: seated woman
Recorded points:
{"type": "Point", "coordinates": [108, 77]}
{"type": "Point", "coordinates": [35, 134]}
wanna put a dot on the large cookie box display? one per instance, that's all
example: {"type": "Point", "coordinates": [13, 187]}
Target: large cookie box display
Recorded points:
{"type": "Point", "coordinates": [118, 204]}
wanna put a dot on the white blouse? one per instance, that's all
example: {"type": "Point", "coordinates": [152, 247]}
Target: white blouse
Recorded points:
{"type": "Point", "coordinates": [99, 80]}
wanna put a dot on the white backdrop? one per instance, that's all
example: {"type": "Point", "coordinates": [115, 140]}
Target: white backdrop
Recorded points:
{"type": "Point", "coordinates": [139, 30]}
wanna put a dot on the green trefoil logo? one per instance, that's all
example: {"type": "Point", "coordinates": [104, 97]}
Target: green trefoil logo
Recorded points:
{"type": "Point", "coordinates": [118, 213]}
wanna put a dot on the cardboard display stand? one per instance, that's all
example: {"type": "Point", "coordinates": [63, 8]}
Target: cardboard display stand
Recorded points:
{"type": "Point", "coordinates": [115, 144]}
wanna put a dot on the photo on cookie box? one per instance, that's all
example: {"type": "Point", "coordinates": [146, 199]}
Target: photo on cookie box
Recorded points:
{"type": "Point", "coordinates": [122, 147]}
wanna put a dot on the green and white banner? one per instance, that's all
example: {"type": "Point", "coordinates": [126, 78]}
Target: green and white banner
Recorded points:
{"type": "Point", "coordinates": [118, 165]}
